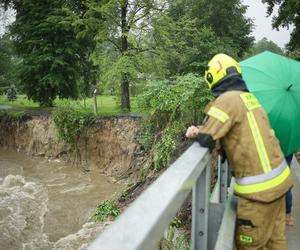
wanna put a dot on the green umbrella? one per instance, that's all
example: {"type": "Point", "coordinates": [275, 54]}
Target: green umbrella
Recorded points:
{"type": "Point", "coordinates": [275, 81]}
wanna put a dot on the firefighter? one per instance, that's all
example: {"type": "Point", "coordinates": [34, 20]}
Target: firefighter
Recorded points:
{"type": "Point", "coordinates": [262, 177]}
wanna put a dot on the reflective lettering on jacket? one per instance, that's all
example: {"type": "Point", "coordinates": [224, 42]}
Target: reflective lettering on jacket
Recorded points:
{"type": "Point", "coordinates": [246, 238]}
{"type": "Point", "coordinates": [250, 101]}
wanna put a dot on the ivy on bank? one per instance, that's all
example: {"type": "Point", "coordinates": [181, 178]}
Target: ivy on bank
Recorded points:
{"type": "Point", "coordinates": [70, 123]}
{"type": "Point", "coordinates": [6, 115]}
{"type": "Point", "coordinates": [170, 105]}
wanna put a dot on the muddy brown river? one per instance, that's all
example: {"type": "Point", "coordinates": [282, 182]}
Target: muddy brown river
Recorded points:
{"type": "Point", "coordinates": [45, 204]}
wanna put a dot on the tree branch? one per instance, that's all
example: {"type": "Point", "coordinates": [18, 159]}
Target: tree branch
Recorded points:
{"type": "Point", "coordinates": [114, 43]}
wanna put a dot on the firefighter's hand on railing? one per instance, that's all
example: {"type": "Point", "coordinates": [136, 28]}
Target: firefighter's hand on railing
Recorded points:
{"type": "Point", "coordinates": [192, 132]}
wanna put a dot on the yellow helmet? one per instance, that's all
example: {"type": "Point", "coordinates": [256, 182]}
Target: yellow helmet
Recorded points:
{"type": "Point", "coordinates": [220, 67]}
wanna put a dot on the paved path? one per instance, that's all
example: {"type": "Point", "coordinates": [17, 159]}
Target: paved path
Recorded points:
{"type": "Point", "coordinates": [293, 233]}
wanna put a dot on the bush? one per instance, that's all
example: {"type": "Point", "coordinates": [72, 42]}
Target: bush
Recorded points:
{"type": "Point", "coordinates": [106, 210]}
{"type": "Point", "coordinates": [170, 106]}
{"type": "Point", "coordinates": [11, 93]}
{"type": "Point", "coordinates": [70, 123]}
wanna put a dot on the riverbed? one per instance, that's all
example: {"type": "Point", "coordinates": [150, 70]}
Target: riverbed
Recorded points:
{"type": "Point", "coordinates": [46, 204]}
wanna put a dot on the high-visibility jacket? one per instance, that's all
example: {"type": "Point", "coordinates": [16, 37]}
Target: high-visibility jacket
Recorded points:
{"type": "Point", "coordinates": [237, 119]}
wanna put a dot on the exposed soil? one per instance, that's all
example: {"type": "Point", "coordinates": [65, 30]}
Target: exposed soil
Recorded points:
{"type": "Point", "coordinates": [107, 146]}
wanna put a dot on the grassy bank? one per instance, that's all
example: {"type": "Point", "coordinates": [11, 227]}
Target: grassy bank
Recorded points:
{"type": "Point", "coordinates": [106, 105]}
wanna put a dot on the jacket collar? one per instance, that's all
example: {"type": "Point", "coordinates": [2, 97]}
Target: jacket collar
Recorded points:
{"type": "Point", "coordinates": [235, 82]}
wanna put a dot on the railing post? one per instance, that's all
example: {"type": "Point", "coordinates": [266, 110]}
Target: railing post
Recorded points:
{"type": "Point", "coordinates": [224, 180]}
{"type": "Point", "coordinates": [225, 240]}
{"type": "Point", "coordinates": [201, 192]}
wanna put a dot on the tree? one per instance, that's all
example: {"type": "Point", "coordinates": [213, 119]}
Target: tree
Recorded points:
{"type": "Point", "coordinates": [190, 33]}
{"type": "Point", "coordinates": [226, 19]}
{"type": "Point", "coordinates": [234, 27]}
{"type": "Point", "coordinates": [183, 46]}
{"type": "Point", "coordinates": [122, 51]}
{"type": "Point", "coordinates": [7, 62]}
{"type": "Point", "coordinates": [263, 45]}
{"type": "Point", "coordinates": [288, 16]}
{"type": "Point", "coordinates": [295, 54]}
{"type": "Point", "coordinates": [86, 25]}
{"type": "Point", "coordinates": [53, 56]}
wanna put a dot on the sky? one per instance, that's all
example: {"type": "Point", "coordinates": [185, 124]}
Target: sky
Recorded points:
{"type": "Point", "coordinates": [5, 19]}
{"type": "Point", "coordinates": [263, 27]}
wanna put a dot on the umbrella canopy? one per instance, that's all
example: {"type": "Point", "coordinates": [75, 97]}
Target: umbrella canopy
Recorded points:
{"type": "Point", "coordinates": [275, 81]}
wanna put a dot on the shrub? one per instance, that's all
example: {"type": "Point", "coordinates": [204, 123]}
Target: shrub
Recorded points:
{"type": "Point", "coordinates": [170, 105]}
{"type": "Point", "coordinates": [70, 123]}
{"type": "Point", "coordinates": [6, 115]}
{"type": "Point", "coordinates": [106, 210]}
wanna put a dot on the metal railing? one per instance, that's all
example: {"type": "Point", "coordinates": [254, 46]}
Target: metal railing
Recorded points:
{"type": "Point", "coordinates": [143, 223]}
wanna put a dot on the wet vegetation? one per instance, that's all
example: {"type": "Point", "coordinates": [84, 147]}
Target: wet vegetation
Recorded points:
{"type": "Point", "coordinates": [70, 123]}
{"type": "Point", "coordinates": [106, 210]}
{"type": "Point", "coordinates": [10, 116]}
{"type": "Point", "coordinates": [127, 56]}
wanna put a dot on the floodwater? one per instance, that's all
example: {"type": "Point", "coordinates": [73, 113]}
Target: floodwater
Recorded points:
{"type": "Point", "coordinates": [48, 205]}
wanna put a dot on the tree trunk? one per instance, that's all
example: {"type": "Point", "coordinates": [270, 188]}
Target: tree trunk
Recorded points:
{"type": "Point", "coordinates": [125, 96]}
{"type": "Point", "coordinates": [95, 104]}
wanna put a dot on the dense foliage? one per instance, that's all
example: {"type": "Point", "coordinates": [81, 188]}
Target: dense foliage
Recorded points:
{"type": "Point", "coordinates": [70, 123]}
{"type": "Point", "coordinates": [171, 105]}
{"type": "Point", "coordinates": [66, 47]}
{"type": "Point", "coordinates": [288, 16]}
{"type": "Point", "coordinates": [225, 18]}
{"type": "Point", "coordinates": [53, 57]}
{"type": "Point", "coordinates": [7, 63]}
{"type": "Point", "coordinates": [11, 93]}
{"type": "Point", "coordinates": [8, 116]}
{"type": "Point", "coordinates": [122, 49]}
{"type": "Point", "coordinates": [194, 47]}
{"type": "Point", "coordinates": [144, 40]}
{"type": "Point", "coordinates": [263, 45]}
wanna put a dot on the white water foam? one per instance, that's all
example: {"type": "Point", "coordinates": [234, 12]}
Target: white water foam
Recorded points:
{"type": "Point", "coordinates": [23, 206]}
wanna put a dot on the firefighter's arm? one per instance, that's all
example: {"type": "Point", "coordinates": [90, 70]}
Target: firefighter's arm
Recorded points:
{"type": "Point", "coordinates": [205, 140]}
{"type": "Point", "coordinates": [216, 125]}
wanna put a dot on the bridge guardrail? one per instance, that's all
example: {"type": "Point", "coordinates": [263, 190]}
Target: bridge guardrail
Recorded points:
{"type": "Point", "coordinates": [143, 223]}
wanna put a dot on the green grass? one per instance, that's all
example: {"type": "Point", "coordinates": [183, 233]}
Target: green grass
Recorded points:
{"type": "Point", "coordinates": [11, 115]}
{"type": "Point", "coordinates": [21, 102]}
{"type": "Point", "coordinates": [107, 105]}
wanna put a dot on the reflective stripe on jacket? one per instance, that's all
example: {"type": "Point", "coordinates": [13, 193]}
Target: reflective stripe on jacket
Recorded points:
{"type": "Point", "coordinates": [253, 151]}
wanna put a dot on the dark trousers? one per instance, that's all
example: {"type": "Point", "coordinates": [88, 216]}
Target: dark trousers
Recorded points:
{"type": "Point", "coordinates": [288, 195]}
